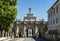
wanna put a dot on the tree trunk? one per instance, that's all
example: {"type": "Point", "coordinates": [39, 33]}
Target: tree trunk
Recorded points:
{"type": "Point", "coordinates": [2, 33]}
{"type": "Point", "coordinates": [5, 33]}
{"type": "Point", "coordinates": [8, 33]}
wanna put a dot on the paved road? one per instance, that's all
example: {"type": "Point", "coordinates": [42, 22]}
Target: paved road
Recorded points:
{"type": "Point", "coordinates": [25, 39]}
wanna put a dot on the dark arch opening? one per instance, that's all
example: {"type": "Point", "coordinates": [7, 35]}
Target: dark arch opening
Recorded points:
{"type": "Point", "coordinates": [20, 34]}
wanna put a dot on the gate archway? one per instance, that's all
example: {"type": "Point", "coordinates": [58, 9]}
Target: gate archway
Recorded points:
{"type": "Point", "coordinates": [29, 32]}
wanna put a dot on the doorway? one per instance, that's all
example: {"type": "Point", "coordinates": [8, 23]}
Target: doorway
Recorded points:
{"type": "Point", "coordinates": [29, 33]}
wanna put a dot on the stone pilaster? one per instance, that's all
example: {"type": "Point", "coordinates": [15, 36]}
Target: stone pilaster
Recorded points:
{"type": "Point", "coordinates": [36, 30]}
{"type": "Point", "coordinates": [17, 31]}
{"type": "Point", "coordinates": [24, 31]}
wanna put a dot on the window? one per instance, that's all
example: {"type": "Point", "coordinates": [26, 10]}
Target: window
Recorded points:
{"type": "Point", "coordinates": [56, 20]}
{"type": "Point", "coordinates": [51, 13]}
{"type": "Point", "coordinates": [53, 21]}
{"type": "Point", "coordinates": [54, 11]}
{"type": "Point", "coordinates": [57, 9]}
{"type": "Point", "coordinates": [48, 15]}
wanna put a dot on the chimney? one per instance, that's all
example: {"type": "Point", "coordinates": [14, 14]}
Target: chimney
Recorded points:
{"type": "Point", "coordinates": [58, 0]}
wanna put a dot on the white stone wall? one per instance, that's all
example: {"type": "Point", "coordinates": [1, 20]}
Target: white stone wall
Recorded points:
{"type": "Point", "coordinates": [54, 26]}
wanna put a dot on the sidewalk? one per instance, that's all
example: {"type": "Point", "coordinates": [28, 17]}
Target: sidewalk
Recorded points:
{"type": "Point", "coordinates": [4, 38]}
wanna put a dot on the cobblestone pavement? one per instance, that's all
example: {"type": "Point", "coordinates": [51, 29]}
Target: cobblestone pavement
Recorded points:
{"type": "Point", "coordinates": [25, 39]}
{"type": "Point", "coordinates": [19, 39]}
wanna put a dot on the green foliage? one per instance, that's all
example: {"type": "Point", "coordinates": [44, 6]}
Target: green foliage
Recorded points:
{"type": "Point", "coordinates": [8, 13]}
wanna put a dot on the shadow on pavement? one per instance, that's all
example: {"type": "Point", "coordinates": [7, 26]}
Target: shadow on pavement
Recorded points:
{"type": "Point", "coordinates": [40, 39]}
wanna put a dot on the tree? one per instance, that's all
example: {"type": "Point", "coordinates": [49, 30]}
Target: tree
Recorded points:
{"type": "Point", "coordinates": [8, 13]}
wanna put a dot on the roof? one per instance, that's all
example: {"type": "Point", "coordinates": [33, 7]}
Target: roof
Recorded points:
{"type": "Point", "coordinates": [53, 5]}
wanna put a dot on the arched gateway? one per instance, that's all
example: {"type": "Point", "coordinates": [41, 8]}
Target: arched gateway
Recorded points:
{"type": "Point", "coordinates": [28, 27]}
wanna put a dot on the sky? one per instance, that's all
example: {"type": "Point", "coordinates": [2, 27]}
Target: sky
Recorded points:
{"type": "Point", "coordinates": [39, 8]}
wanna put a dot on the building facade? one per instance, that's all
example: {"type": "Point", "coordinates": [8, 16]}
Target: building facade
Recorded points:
{"type": "Point", "coordinates": [54, 18]}
{"type": "Point", "coordinates": [29, 27]}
